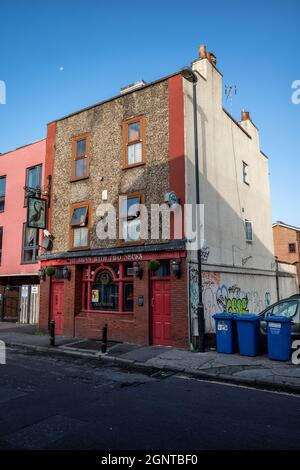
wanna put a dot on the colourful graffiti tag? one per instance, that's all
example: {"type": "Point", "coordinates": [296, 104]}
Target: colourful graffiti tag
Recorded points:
{"type": "Point", "coordinates": [236, 305]}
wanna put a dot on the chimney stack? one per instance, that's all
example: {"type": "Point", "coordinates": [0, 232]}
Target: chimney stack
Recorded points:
{"type": "Point", "coordinates": [212, 58]}
{"type": "Point", "coordinates": [202, 51]}
{"type": "Point", "coordinates": [207, 55]}
{"type": "Point", "coordinates": [245, 116]}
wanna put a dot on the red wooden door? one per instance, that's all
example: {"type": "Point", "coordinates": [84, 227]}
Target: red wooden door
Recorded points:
{"type": "Point", "coordinates": [57, 311]}
{"type": "Point", "coordinates": [160, 318]}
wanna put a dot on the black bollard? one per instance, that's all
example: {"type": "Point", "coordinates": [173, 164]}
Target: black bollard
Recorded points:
{"type": "Point", "coordinates": [52, 333]}
{"type": "Point", "coordinates": [104, 339]}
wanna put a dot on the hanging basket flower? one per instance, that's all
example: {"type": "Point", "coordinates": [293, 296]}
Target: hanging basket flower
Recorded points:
{"type": "Point", "coordinates": [50, 270]}
{"type": "Point", "coordinates": [153, 265]}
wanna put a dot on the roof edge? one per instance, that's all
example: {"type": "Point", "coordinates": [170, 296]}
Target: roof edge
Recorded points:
{"type": "Point", "coordinates": [23, 146]}
{"type": "Point", "coordinates": [115, 97]}
{"type": "Point", "coordinates": [282, 224]}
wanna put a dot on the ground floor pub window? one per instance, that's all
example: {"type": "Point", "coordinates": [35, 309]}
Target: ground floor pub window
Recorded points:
{"type": "Point", "coordinates": [105, 293]}
{"type": "Point", "coordinates": [108, 288]}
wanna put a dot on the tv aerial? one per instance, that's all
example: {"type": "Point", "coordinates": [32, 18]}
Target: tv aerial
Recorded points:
{"type": "Point", "coordinates": [230, 93]}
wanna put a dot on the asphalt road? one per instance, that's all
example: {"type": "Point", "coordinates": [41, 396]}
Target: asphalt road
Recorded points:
{"type": "Point", "coordinates": [65, 403]}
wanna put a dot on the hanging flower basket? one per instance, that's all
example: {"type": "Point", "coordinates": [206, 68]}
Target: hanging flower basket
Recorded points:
{"type": "Point", "coordinates": [153, 265]}
{"type": "Point", "coordinates": [50, 270]}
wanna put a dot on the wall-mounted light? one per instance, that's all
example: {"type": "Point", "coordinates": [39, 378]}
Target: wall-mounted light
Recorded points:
{"type": "Point", "coordinates": [176, 267]}
{"type": "Point", "coordinates": [42, 274]}
{"type": "Point", "coordinates": [138, 270]}
{"type": "Point", "coordinates": [66, 273]}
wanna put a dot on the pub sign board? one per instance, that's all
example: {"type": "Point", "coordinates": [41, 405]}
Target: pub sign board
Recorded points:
{"type": "Point", "coordinates": [36, 212]}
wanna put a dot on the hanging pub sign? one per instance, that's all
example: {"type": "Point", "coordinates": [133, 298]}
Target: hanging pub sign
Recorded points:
{"type": "Point", "coordinates": [36, 212]}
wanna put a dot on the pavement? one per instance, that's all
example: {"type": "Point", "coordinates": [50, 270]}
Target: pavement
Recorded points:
{"type": "Point", "coordinates": [259, 372]}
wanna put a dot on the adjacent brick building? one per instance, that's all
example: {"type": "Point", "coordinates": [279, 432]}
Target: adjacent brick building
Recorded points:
{"type": "Point", "coordinates": [287, 244]}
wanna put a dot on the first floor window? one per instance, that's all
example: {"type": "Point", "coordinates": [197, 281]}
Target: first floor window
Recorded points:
{"type": "Point", "coordinates": [245, 173]}
{"type": "Point", "coordinates": [33, 179]}
{"type": "Point", "coordinates": [1, 238]}
{"type": "Point", "coordinates": [2, 192]}
{"type": "Point", "coordinates": [248, 231]}
{"type": "Point", "coordinates": [79, 226]}
{"type": "Point", "coordinates": [292, 247]}
{"type": "Point", "coordinates": [30, 245]}
{"type": "Point", "coordinates": [130, 218]}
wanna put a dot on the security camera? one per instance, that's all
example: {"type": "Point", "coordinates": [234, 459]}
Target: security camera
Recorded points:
{"type": "Point", "coordinates": [48, 234]}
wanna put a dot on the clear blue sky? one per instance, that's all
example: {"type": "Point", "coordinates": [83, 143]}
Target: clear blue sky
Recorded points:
{"type": "Point", "coordinates": [102, 46]}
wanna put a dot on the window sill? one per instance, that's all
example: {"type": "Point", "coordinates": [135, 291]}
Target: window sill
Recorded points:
{"type": "Point", "coordinates": [79, 248]}
{"type": "Point", "coordinates": [108, 312]}
{"type": "Point", "coordinates": [134, 165]}
{"type": "Point", "coordinates": [137, 243]}
{"type": "Point", "coordinates": [82, 178]}
{"type": "Point", "coordinates": [28, 262]}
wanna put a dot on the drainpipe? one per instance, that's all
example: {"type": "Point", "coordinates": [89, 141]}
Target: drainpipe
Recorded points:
{"type": "Point", "coordinates": [277, 278]}
{"type": "Point", "coordinates": [190, 75]}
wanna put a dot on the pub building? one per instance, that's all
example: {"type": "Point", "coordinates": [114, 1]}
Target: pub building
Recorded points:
{"type": "Point", "coordinates": [131, 145]}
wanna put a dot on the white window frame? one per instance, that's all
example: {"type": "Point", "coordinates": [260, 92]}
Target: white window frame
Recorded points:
{"type": "Point", "coordinates": [245, 170]}
{"type": "Point", "coordinates": [251, 223]}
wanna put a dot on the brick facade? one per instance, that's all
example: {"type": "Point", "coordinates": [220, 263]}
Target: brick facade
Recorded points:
{"type": "Point", "coordinates": [179, 308]}
{"type": "Point", "coordinates": [131, 327]}
{"type": "Point", "coordinates": [161, 105]}
{"type": "Point", "coordinates": [104, 124]}
{"type": "Point", "coordinates": [283, 236]}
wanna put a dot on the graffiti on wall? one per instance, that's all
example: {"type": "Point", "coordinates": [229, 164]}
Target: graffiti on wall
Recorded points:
{"type": "Point", "coordinates": [210, 283]}
{"type": "Point", "coordinates": [233, 299]}
{"type": "Point", "coordinates": [194, 295]}
{"type": "Point", "coordinates": [218, 297]}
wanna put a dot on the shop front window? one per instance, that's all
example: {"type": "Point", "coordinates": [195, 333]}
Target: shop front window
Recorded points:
{"type": "Point", "coordinates": [108, 288]}
{"type": "Point", "coordinates": [128, 297]}
{"type": "Point", "coordinates": [163, 269]}
{"type": "Point", "coordinates": [105, 292]}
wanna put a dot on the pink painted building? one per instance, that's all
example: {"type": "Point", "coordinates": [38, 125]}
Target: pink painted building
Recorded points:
{"type": "Point", "coordinates": [18, 244]}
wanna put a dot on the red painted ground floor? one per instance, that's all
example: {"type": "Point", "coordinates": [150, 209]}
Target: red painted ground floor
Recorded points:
{"type": "Point", "coordinates": [122, 290]}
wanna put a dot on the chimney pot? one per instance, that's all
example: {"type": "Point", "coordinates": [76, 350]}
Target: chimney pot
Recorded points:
{"type": "Point", "coordinates": [212, 58]}
{"type": "Point", "coordinates": [202, 51]}
{"type": "Point", "coordinates": [245, 116]}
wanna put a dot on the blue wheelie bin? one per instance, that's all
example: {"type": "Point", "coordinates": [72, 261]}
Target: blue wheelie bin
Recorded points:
{"type": "Point", "coordinates": [225, 333]}
{"type": "Point", "coordinates": [248, 334]}
{"type": "Point", "coordinates": [279, 331]}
